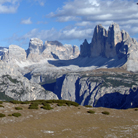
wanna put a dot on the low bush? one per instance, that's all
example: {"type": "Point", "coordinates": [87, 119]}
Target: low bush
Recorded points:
{"type": "Point", "coordinates": [1, 106]}
{"type": "Point", "coordinates": [33, 106]}
{"type": "Point", "coordinates": [136, 109]}
{"type": "Point", "coordinates": [61, 104]}
{"type": "Point", "coordinates": [105, 112]}
{"type": "Point", "coordinates": [16, 102]}
{"type": "Point", "coordinates": [74, 104]}
{"type": "Point", "coordinates": [1, 102]}
{"type": "Point", "coordinates": [88, 106]}
{"type": "Point", "coordinates": [91, 111]}
{"type": "Point", "coordinates": [47, 106]}
{"type": "Point", "coordinates": [9, 114]}
{"type": "Point", "coordinates": [18, 108]}
{"type": "Point", "coordinates": [2, 115]}
{"type": "Point", "coordinates": [16, 114]}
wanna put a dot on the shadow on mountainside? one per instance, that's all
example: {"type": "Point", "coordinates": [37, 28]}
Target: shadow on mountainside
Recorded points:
{"type": "Point", "coordinates": [87, 62]}
{"type": "Point", "coordinates": [118, 101]}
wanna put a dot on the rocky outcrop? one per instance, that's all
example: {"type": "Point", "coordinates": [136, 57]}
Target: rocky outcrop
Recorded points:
{"type": "Point", "coordinates": [110, 90]}
{"type": "Point", "coordinates": [51, 49]}
{"type": "Point", "coordinates": [14, 86]}
{"type": "Point", "coordinates": [85, 49]}
{"type": "Point", "coordinates": [19, 88]}
{"type": "Point", "coordinates": [14, 53]}
{"type": "Point", "coordinates": [35, 49]}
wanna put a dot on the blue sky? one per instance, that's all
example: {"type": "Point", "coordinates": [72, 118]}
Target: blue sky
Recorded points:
{"type": "Point", "coordinates": [68, 21]}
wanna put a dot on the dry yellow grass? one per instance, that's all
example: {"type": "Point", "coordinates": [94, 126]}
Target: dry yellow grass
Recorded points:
{"type": "Point", "coordinates": [68, 122]}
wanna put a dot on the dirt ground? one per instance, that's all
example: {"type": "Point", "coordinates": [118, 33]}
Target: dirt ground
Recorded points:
{"type": "Point", "coordinates": [68, 122]}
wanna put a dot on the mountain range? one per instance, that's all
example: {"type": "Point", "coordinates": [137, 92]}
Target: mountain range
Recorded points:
{"type": "Point", "coordinates": [56, 71]}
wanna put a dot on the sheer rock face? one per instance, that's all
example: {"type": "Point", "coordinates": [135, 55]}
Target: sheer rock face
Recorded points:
{"type": "Point", "coordinates": [98, 91]}
{"type": "Point", "coordinates": [108, 44]}
{"type": "Point", "coordinates": [14, 53]}
{"type": "Point", "coordinates": [85, 49]}
{"type": "Point", "coordinates": [35, 49]}
{"type": "Point", "coordinates": [114, 37]}
{"type": "Point", "coordinates": [98, 41]}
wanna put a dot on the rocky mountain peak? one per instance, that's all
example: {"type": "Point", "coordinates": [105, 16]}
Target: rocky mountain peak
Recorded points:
{"type": "Point", "coordinates": [35, 46]}
{"type": "Point", "coordinates": [50, 43]}
{"type": "Point", "coordinates": [98, 41]}
{"type": "Point", "coordinates": [114, 37]}
{"type": "Point", "coordinates": [108, 43]}
{"type": "Point", "coordinates": [85, 49]}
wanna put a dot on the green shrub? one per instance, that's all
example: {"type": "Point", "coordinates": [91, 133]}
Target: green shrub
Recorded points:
{"type": "Point", "coordinates": [9, 114]}
{"type": "Point", "coordinates": [33, 106]}
{"type": "Point", "coordinates": [61, 104]}
{"type": "Point", "coordinates": [1, 102]}
{"type": "Point", "coordinates": [15, 102]}
{"type": "Point", "coordinates": [16, 114]}
{"type": "Point", "coordinates": [47, 107]}
{"type": "Point", "coordinates": [18, 108]}
{"type": "Point", "coordinates": [2, 115]}
{"type": "Point", "coordinates": [74, 104]}
{"type": "Point", "coordinates": [105, 112]}
{"type": "Point", "coordinates": [136, 109]}
{"type": "Point", "coordinates": [88, 106]}
{"type": "Point", "coordinates": [1, 106]}
{"type": "Point", "coordinates": [91, 111]}
{"type": "Point", "coordinates": [45, 104]}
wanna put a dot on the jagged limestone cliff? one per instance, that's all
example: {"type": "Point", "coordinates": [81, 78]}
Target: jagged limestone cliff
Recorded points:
{"type": "Point", "coordinates": [106, 89]}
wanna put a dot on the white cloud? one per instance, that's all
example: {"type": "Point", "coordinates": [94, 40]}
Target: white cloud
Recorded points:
{"type": "Point", "coordinates": [53, 34]}
{"type": "Point", "coordinates": [26, 21]}
{"type": "Point", "coordinates": [88, 13]}
{"type": "Point", "coordinates": [40, 2]}
{"type": "Point", "coordinates": [9, 6]}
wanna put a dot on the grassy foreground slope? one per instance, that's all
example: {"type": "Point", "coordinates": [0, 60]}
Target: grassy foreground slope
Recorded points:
{"type": "Point", "coordinates": [67, 121]}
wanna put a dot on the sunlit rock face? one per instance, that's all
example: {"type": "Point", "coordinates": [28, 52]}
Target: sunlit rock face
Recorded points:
{"type": "Point", "coordinates": [50, 49]}
{"type": "Point", "coordinates": [14, 53]}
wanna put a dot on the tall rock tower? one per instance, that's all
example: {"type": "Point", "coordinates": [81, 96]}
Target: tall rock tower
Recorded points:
{"type": "Point", "coordinates": [98, 41]}
{"type": "Point", "coordinates": [114, 37]}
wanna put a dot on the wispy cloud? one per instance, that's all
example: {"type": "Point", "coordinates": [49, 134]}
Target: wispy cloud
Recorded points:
{"type": "Point", "coordinates": [41, 22]}
{"type": "Point", "coordinates": [86, 14]}
{"type": "Point", "coordinates": [9, 6]}
{"type": "Point", "coordinates": [39, 2]}
{"type": "Point", "coordinates": [26, 21]}
{"type": "Point", "coordinates": [92, 12]}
